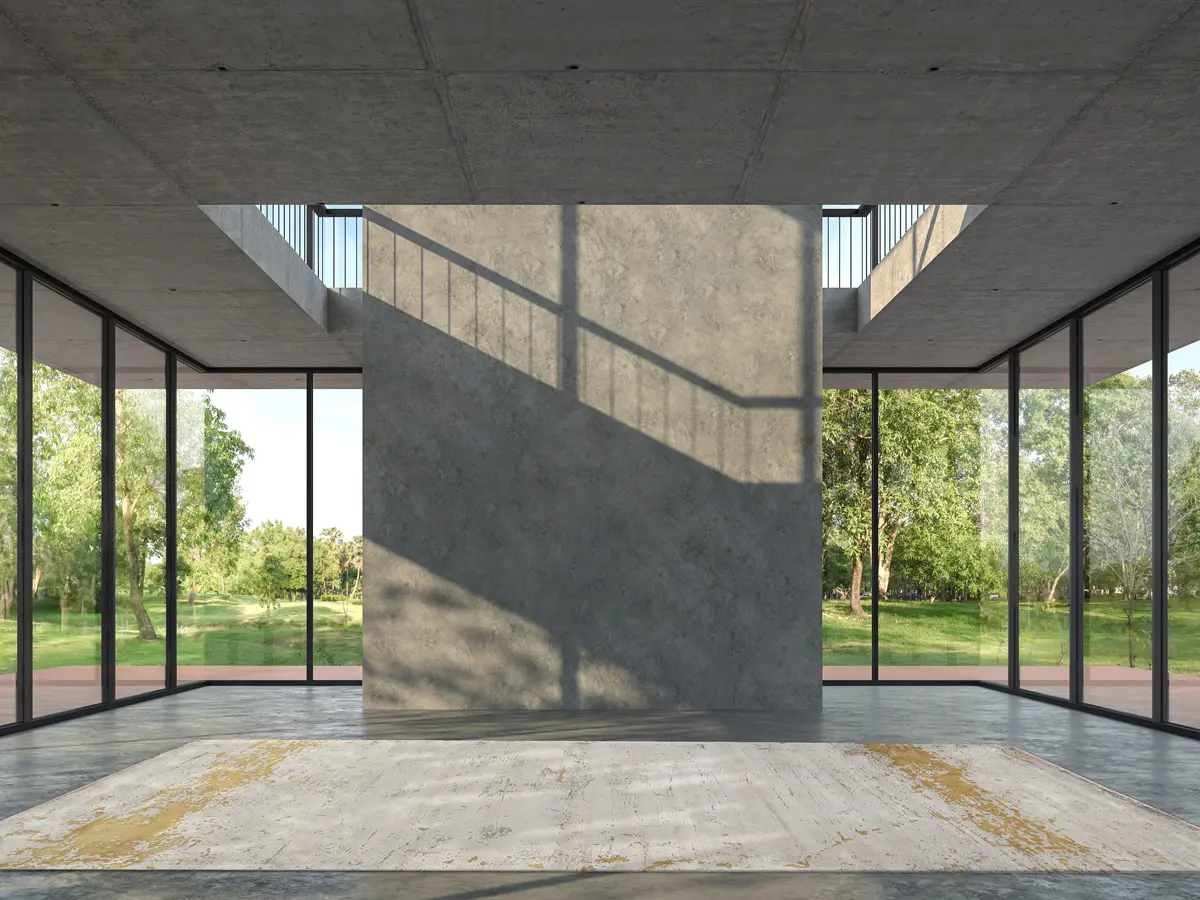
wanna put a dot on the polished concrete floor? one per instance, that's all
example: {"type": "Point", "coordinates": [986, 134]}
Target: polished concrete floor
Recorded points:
{"type": "Point", "coordinates": [1160, 769]}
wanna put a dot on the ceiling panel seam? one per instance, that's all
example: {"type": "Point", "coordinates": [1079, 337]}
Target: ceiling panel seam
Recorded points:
{"type": "Point", "coordinates": [1074, 119]}
{"type": "Point", "coordinates": [442, 88]}
{"type": "Point", "coordinates": [797, 33]}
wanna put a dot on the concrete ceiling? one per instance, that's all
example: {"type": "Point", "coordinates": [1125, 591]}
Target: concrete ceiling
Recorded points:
{"type": "Point", "coordinates": [1010, 273]}
{"type": "Point", "coordinates": [118, 116]}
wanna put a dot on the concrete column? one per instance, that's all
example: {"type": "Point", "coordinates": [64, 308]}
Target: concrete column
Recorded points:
{"type": "Point", "coordinates": [592, 457]}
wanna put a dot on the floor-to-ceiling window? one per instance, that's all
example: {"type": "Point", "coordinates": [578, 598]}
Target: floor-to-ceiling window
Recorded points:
{"type": "Point", "coordinates": [1118, 503]}
{"type": "Point", "coordinates": [1044, 546]}
{"type": "Point", "coordinates": [337, 527]}
{"type": "Point", "coordinates": [66, 504]}
{"type": "Point", "coordinates": [1183, 494]}
{"type": "Point", "coordinates": [8, 495]}
{"type": "Point", "coordinates": [242, 561]}
{"type": "Point", "coordinates": [943, 526]}
{"type": "Point", "coordinates": [140, 516]}
{"type": "Point", "coordinates": [846, 528]}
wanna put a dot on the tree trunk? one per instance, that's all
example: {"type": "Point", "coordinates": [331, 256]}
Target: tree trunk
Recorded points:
{"type": "Point", "coordinates": [145, 626]}
{"type": "Point", "coordinates": [357, 580]}
{"type": "Point", "coordinates": [37, 581]}
{"type": "Point", "coordinates": [193, 561]}
{"type": "Point", "coordinates": [885, 563]}
{"type": "Point", "coordinates": [856, 587]}
{"type": "Point", "coordinates": [1054, 586]}
{"type": "Point", "coordinates": [1127, 589]}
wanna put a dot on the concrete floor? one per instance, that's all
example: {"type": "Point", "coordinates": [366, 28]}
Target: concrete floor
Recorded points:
{"type": "Point", "coordinates": [1157, 768]}
{"type": "Point", "coordinates": [1112, 687]}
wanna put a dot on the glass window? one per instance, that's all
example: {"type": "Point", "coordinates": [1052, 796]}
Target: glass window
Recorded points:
{"type": "Point", "coordinates": [846, 528]}
{"type": "Point", "coordinates": [943, 527]}
{"type": "Point", "coordinates": [66, 504]}
{"type": "Point", "coordinates": [337, 527]}
{"type": "Point", "coordinates": [242, 561]}
{"type": "Point", "coordinates": [1118, 504]}
{"type": "Point", "coordinates": [8, 495]}
{"type": "Point", "coordinates": [1044, 516]}
{"type": "Point", "coordinates": [140, 516]}
{"type": "Point", "coordinates": [1183, 494]}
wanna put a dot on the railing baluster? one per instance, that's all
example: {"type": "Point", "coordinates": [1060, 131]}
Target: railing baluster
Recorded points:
{"type": "Point", "coordinates": [851, 249]}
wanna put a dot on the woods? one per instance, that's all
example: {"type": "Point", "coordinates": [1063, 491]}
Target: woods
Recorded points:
{"type": "Point", "coordinates": [942, 494]}
{"type": "Point", "coordinates": [245, 573]}
{"type": "Point", "coordinates": [943, 520]}
{"type": "Point", "coordinates": [943, 481]}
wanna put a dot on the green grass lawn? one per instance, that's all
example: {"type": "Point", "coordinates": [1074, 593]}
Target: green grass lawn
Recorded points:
{"type": "Point", "coordinates": [961, 634]}
{"type": "Point", "coordinates": [214, 631]}
{"type": "Point", "coordinates": [235, 631]}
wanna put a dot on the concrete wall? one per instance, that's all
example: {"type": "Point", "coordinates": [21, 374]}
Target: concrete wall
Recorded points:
{"type": "Point", "coordinates": [592, 457]}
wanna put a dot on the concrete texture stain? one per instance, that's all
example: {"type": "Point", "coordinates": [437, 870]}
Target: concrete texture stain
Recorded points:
{"type": "Point", "coordinates": [646, 806]}
{"type": "Point", "coordinates": [988, 812]}
{"type": "Point", "coordinates": [140, 834]}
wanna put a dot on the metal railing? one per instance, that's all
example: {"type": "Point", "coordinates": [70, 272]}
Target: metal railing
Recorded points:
{"type": "Point", "coordinates": [895, 219]}
{"type": "Point", "coordinates": [327, 238]}
{"type": "Point", "coordinates": [856, 238]}
{"type": "Point", "coordinates": [846, 240]}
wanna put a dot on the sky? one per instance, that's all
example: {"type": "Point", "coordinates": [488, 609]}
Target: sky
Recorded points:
{"type": "Point", "coordinates": [272, 422]}
{"type": "Point", "coordinates": [1187, 357]}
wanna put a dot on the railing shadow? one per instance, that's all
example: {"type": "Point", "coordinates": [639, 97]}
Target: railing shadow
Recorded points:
{"type": "Point", "coordinates": [562, 517]}
{"type": "Point", "coordinates": [551, 341]}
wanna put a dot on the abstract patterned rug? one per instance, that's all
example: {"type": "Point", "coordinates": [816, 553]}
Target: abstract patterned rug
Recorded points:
{"type": "Point", "coordinates": [603, 806]}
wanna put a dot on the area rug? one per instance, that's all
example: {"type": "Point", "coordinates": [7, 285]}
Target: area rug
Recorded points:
{"type": "Point", "coordinates": [597, 806]}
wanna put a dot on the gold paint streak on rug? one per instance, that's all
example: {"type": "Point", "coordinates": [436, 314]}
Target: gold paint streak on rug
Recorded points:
{"type": "Point", "coordinates": [985, 810]}
{"type": "Point", "coordinates": [137, 835]}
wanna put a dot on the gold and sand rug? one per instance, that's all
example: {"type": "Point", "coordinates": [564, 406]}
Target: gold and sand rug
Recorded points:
{"type": "Point", "coordinates": [583, 806]}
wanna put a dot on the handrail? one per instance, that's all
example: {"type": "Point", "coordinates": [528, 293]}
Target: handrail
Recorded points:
{"type": "Point", "coordinates": [855, 239]}
{"type": "Point", "coordinates": [327, 238]}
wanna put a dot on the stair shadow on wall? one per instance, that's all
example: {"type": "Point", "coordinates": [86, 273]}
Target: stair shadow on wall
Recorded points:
{"type": "Point", "coordinates": [543, 334]}
{"type": "Point", "coordinates": [527, 550]}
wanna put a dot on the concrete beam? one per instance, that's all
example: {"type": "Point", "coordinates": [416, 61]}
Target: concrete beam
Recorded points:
{"type": "Point", "coordinates": [917, 248]}
{"type": "Point", "coordinates": [258, 239]}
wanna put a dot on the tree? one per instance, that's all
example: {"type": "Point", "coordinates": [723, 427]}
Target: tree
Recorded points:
{"type": "Point", "coordinates": [66, 485]}
{"type": "Point", "coordinates": [1044, 483]}
{"type": "Point", "coordinates": [329, 562]}
{"type": "Point", "coordinates": [212, 516]}
{"type": "Point", "coordinates": [846, 483]}
{"type": "Point", "coordinates": [8, 484]}
{"type": "Point", "coordinates": [356, 563]}
{"type": "Point", "coordinates": [1118, 496]}
{"type": "Point", "coordinates": [942, 492]}
{"type": "Point", "coordinates": [931, 515]}
{"type": "Point", "coordinates": [141, 461]}
{"type": "Point", "coordinates": [270, 581]}
{"type": "Point", "coordinates": [1183, 482]}
{"type": "Point", "coordinates": [275, 561]}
